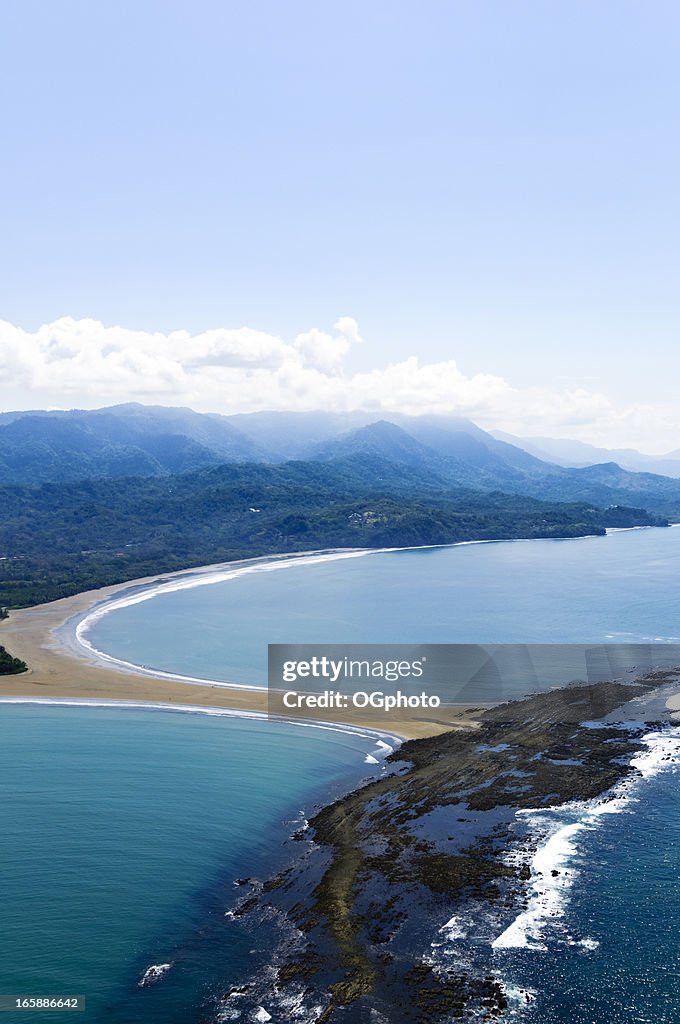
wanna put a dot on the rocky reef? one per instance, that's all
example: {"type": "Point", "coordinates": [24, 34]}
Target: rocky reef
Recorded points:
{"type": "Point", "coordinates": [386, 865]}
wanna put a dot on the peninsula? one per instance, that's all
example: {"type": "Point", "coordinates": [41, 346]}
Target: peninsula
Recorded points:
{"type": "Point", "coordinates": [58, 670]}
{"type": "Point", "coordinates": [393, 872]}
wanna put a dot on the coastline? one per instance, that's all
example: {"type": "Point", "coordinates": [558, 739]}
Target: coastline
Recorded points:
{"type": "Point", "coordinates": [514, 850]}
{"type": "Point", "coordinates": [60, 670]}
{"type": "Point", "coordinates": [377, 736]}
{"type": "Point", "coordinates": [61, 667]}
{"type": "Point", "coordinates": [484, 856]}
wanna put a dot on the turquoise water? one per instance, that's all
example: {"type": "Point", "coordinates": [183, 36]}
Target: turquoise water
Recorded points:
{"type": "Point", "coordinates": [121, 832]}
{"type": "Point", "coordinates": [622, 588]}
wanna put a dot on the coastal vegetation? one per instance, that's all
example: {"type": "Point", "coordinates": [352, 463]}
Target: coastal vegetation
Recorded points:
{"type": "Point", "coordinates": [136, 440]}
{"type": "Point", "coordinates": [60, 538]}
{"type": "Point", "coordinates": [10, 666]}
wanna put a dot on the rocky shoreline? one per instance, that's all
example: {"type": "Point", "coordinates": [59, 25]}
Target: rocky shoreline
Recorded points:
{"type": "Point", "coordinates": [386, 865]}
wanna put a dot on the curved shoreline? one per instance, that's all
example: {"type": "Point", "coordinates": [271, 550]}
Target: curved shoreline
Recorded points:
{"type": "Point", "coordinates": [73, 632]}
{"type": "Point", "coordinates": [60, 668]}
{"type": "Point", "coordinates": [376, 736]}
{"type": "Point", "coordinates": [59, 671]}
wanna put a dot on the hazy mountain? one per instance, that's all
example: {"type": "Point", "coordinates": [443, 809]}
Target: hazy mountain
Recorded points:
{"type": "Point", "coordinates": [36, 448]}
{"type": "Point", "coordinates": [462, 454]}
{"type": "Point", "coordinates": [608, 484]}
{"type": "Point", "coordinates": [67, 536]}
{"type": "Point", "coordinates": [136, 440]}
{"type": "Point", "coordinates": [459, 438]}
{"type": "Point", "coordinates": [452, 452]}
{"type": "Point", "coordinates": [382, 440]}
{"type": "Point", "coordinates": [124, 440]}
{"type": "Point", "coordinates": [566, 452]}
{"type": "Point", "coordinates": [296, 435]}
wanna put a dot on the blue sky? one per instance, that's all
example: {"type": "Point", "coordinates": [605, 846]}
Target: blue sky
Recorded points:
{"type": "Point", "coordinates": [491, 183]}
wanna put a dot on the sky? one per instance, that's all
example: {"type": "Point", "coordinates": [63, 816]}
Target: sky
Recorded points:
{"type": "Point", "coordinates": [441, 206]}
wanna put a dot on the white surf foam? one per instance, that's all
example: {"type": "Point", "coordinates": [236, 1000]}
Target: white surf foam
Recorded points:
{"type": "Point", "coordinates": [453, 929]}
{"type": "Point", "coordinates": [518, 996]}
{"type": "Point", "coordinates": [190, 582]}
{"type": "Point", "coordinates": [588, 944]}
{"type": "Point", "coordinates": [153, 974]}
{"type": "Point", "coordinates": [208, 575]}
{"type": "Point", "coordinates": [547, 890]}
{"type": "Point", "coordinates": [382, 751]}
{"type": "Point", "coordinates": [373, 735]}
{"type": "Point", "coordinates": [552, 868]}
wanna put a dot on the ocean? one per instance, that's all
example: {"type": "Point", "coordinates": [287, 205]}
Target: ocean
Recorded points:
{"type": "Point", "coordinates": [122, 830]}
{"type": "Point", "coordinates": [608, 954]}
{"type": "Point", "coordinates": [121, 833]}
{"type": "Point", "coordinates": [596, 942]}
{"type": "Point", "coordinates": [619, 589]}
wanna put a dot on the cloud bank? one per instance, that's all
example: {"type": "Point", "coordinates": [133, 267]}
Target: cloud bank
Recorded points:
{"type": "Point", "coordinates": [82, 363]}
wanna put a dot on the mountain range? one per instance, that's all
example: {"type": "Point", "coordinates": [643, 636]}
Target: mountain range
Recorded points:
{"type": "Point", "coordinates": [566, 452]}
{"type": "Point", "coordinates": [89, 498]}
{"type": "Point", "coordinates": [134, 440]}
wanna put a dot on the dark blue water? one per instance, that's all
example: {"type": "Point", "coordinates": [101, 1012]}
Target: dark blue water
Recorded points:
{"type": "Point", "coordinates": [625, 899]}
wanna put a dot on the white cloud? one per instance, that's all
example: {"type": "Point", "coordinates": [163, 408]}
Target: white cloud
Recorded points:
{"type": "Point", "coordinates": [83, 363]}
{"type": "Point", "coordinates": [326, 352]}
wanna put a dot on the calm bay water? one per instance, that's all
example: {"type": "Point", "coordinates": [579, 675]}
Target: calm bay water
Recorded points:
{"type": "Point", "coordinates": [618, 589]}
{"type": "Point", "coordinates": [121, 831]}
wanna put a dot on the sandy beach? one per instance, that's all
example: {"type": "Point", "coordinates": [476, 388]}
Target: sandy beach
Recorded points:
{"type": "Point", "coordinates": [57, 671]}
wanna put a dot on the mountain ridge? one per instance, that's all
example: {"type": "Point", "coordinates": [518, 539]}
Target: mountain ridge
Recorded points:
{"type": "Point", "coordinates": [65, 537]}
{"type": "Point", "coordinates": [132, 440]}
{"type": "Point", "coordinates": [577, 454]}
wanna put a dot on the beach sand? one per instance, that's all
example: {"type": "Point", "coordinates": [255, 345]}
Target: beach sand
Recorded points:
{"type": "Point", "coordinates": [673, 705]}
{"type": "Point", "coordinates": [56, 671]}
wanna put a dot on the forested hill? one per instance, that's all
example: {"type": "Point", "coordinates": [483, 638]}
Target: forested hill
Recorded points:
{"type": "Point", "coordinates": [138, 440]}
{"type": "Point", "coordinates": [60, 538]}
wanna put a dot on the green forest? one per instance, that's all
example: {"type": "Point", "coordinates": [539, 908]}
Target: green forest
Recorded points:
{"type": "Point", "coordinates": [10, 666]}
{"type": "Point", "coordinates": [57, 539]}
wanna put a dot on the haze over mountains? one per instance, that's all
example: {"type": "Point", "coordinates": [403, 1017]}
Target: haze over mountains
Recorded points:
{"type": "Point", "coordinates": [566, 452]}
{"type": "Point", "coordinates": [147, 441]}
{"type": "Point", "coordinates": [97, 497]}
